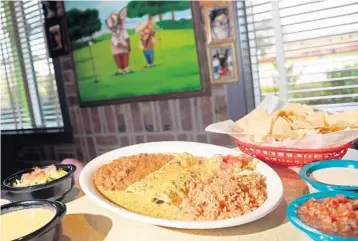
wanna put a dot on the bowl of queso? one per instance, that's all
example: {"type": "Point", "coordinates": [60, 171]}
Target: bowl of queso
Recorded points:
{"type": "Point", "coordinates": [38, 220]}
{"type": "Point", "coordinates": [319, 175]}
{"type": "Point", "coordinates": [328, 215]}
{"type": "Point", "coordinates": [48, 182]}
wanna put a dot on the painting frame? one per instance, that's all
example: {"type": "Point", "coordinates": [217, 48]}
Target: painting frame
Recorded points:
{"type": "Point", "coordinates": [206, 12]}
{"type": "Point", "coordinates": [236, 74]}
{"type": "Point", "coordinates": [204, 76]}
{"type": "Point", "coordinates": [52, 9]}
{"type": "Point", "coordinates": [60, 23]}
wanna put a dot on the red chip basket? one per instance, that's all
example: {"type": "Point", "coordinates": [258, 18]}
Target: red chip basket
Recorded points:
{"type": "Point", "coordinates": [292, 156]}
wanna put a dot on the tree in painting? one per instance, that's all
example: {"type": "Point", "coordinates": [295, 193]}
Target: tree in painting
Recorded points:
{"type": "Point", "coordinates": [82, 24]}
{"type": "Point", "coordinates": [154, 8]}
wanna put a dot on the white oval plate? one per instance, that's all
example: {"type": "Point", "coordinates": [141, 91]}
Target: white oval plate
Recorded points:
{"type": "Point", "coordinates": [273, 181]}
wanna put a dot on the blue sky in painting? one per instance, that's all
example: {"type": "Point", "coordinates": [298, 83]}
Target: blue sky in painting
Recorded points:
{"type": "Point", "coordinates": [106, 7]}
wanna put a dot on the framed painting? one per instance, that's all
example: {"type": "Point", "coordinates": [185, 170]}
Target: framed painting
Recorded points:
{"type": "Point", "coordinates": [126, 51]}
{"type": "Point", "coordinates": [57, 42]}
{"type": "Point", "coordinates": [219, 23]}
{"type": "Point", "coordinates": [223, 63]}
{"type": "Point", "coordinates": [52, 9]}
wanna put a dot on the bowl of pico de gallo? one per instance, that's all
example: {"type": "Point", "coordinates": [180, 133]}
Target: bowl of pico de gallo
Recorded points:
{"type": "Point", "coordinates": [328, 215]}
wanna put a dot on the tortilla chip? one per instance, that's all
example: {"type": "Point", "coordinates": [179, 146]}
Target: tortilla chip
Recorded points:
{"type": "Point", "coordinates": [254, 115]}
{"type": "Point", "coordinates": [316, 119]}
{"type": "Point", "coordinates": [332, 128]}
{"type": "Point", "coordinates": [283, 113]}
{"type": "Point", "coordinates": [260, 127]}
{"type": "Point", "coordinates": [301, 124]}
{"type": "Point", "coordinates": [351, 113]}
{"type": "Point", "coordinates": [351, 116]}
{"type": "Point", "coordinates": [258, 122]}
{"type": "Point", "coordinates": [280, 127]}
{"type": "Point", "coordinates": [338, 119]}
{"type": "Point", "coordinates": [294, 118]}
{"type": "Point", "coordinates": [299, 109]}
{"type": "Point", "coordinates": [294, 121]}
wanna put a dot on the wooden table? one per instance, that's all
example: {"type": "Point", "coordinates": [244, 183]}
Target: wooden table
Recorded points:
{"type": "Point", "coordinates": [86, 221]}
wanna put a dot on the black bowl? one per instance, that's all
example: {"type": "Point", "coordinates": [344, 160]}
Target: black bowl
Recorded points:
{"type": "Point", "coordinates": [52, 230]}
{"type": "Point", "coordinates": [54, 190]}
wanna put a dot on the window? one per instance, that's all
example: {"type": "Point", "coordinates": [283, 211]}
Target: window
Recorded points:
{"type": "Point", "coordinates": [29, 96]}
{"type": "Point", "coordinates": [303, 51]}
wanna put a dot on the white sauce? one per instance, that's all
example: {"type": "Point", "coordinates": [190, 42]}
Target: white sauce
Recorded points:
{"type": "Point", "coordinates": [19, 223]}
{"type": "Point", "coordinates": [337, 176]}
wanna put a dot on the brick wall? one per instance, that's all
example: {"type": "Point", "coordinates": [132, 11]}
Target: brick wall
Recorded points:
{"type": "Point", "coordinates": [99, 129]}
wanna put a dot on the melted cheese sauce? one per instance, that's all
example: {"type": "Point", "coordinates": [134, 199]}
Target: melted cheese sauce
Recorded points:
{"type": "Point", "coordinates": [168, 181]}
{"type": "Point", "coordinates": [337, 176]}
{"type": "Point", "coordinates": [140, 204]}
{"type": "Point", "coordinates": [19, 223]}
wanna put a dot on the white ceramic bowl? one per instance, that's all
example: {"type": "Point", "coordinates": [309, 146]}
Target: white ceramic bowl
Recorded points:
{"type": "Point", "coordinates": [273, 181]}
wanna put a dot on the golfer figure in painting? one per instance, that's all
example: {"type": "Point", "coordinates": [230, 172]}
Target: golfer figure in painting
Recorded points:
{"type": "Point", "coordinates": [147, 40]}
{"type": "Point", "coordinates": [120, 40]}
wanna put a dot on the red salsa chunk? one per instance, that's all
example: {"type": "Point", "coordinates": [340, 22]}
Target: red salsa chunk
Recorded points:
{"type": "Point", "coordinates": [332, 215]}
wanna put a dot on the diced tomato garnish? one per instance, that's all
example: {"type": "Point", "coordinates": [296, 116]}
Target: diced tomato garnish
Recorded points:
{"type": "Point", "coordinates": [352, 215]}
{"type": "Point", "coordinates": [349, 206]}
{"type": "Point", "coordinates": [304, 210]}
{"type": "Point", "coordinates": [224, 165]}
{"type": "Point", "coordinates": [341, 199]}
{"type": "Point", "coordinates": [237, 164]}
{"type": "Point", "coordinates": [326, 219]}
{"type": "Point", "coordinates": [244, 162]}
{"type": "Point", "coordinates": [226, 158]}
{"type": "Point", "coordinates": [238, 161]}
{"type": "Point", "coordinates": [332, 215]}
{"type": "Point", "coordinates": [333, 202]}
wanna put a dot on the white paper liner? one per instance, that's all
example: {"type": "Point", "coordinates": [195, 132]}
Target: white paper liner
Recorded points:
{"type": "Point", "coordinates": [313, 141]}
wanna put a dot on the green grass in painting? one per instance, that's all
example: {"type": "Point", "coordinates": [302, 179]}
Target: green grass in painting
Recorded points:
{"type": "Point", "coordinates": [176, 68]}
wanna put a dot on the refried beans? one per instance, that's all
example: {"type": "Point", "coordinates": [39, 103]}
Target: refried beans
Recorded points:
{"type": "Point", "coordinates": [124, 171]}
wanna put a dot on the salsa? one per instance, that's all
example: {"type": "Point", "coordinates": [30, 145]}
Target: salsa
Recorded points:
{"type": "Point", "coordinates": [332, 215]}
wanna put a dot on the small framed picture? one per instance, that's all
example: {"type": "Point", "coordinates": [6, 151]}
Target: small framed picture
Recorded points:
{"type": "Point", "coordinates": [219, 24]}
{"type": "Point", "coordinates": [52, 9]}
{"type": "Point", "coordinates": [56, 41]}
{"type": "Point", "coordinates": [223, 64]}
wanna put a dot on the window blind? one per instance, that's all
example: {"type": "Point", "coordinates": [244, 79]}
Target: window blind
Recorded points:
{"type": "Point", "coordinates": [29, 97]}
{"type": "Point", "coordinates": [304, 51]}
